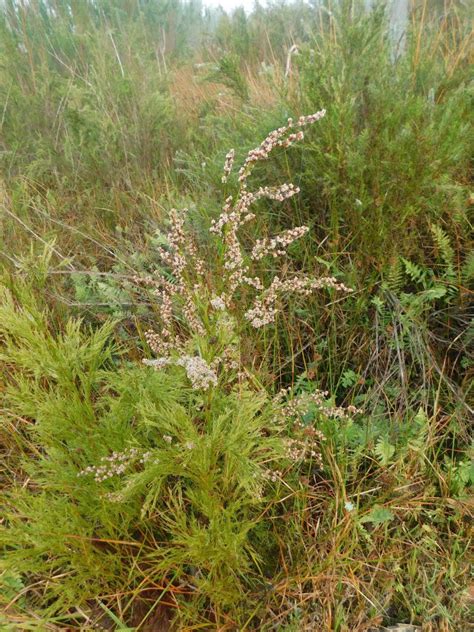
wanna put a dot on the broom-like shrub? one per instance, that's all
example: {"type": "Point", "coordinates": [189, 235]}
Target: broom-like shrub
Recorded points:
{"type": "Point", "coordinates": [164, 482]}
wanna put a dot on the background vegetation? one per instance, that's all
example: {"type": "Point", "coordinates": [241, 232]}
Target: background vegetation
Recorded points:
{"type": "Point", "coordinates": [113, 112]}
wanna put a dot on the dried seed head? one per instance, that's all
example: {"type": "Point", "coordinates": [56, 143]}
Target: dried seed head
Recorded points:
{"type": "Point", "coordinates": [229, 161]}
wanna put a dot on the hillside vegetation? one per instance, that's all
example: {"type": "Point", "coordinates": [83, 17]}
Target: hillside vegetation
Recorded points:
{"type": "Point", "coordinates": [236, 322]}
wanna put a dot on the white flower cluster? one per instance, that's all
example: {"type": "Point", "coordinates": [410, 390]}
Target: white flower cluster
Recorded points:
{"type": "Point", "coordinates": [191, 316]}
{"type": "Point", "coordinates": [226, 216]}
{"type": "Point", "coordinates": [227, 226]}
{"type": "Point", "coordinates": [179, 256]}
{"type": "Point", "coordinates": [218, 303]}
{"type": "Point", "coordinates": [198, 371]}
{"type": "Point", "coordinates": [281, 193]}
{"type": "Point", "coordinates": [276, 246]}
{"type": "Point", "coordinates": [238, 214]}
{"type": "Point", "coordinates": [116, 464]}
{"type": "Point", "coordinates": [162, 344]}
{"type": "Point", "coordinates": [157, 363]}
{"type": "Point", "coordinates": [340, 412]}
{"type": "Point", "coordinates": [264, 309]}
{"type": "Point", "coordinates": [276, 138]}
{"type": "Point", "coordinates": [272, 475]}
{"type": "Point", "coordinates": [300, 405]}
{"type": "Point", "coordinates": [307, 285]}
{"type": "Point", "coordinates": [310, 118]}
{"type": "Point", "coordinates": [261, 314]}
{"type": "Point", "coordinates": [301, 450]}
{"type": "Point", "coordinates": [229, 161]}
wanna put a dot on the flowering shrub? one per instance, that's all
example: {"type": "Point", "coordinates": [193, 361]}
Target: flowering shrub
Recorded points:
{"type": "Point", "coordinates": [171, 474]}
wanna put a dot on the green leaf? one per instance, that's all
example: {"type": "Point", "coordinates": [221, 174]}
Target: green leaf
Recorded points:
{"type": "Point", "coordinates": [384, 450]}
{"type": "Point", "coordinates": [435, 292]}
{"type": "Point", "coordinates": [349, 378]}
{"type": "Point", "coordinates": [378, 515]}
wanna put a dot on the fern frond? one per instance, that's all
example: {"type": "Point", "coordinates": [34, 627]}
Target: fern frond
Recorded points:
{"type": "Point", "coordinates": [445, 249]}
{"type": "Point", "coordinates": [416, 272]}
{"type": "Point", "coordinates": [467, 270]}
{"type": "Point", "coordinates": [395, 276]}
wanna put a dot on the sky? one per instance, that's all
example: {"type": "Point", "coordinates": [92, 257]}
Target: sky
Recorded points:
{"type": "Point", "coordinates": [228, 5]}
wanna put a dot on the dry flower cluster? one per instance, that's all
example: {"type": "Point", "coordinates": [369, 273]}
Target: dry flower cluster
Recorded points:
{"type": "Point", "coordinates": [265, 309]}
{"type": "Point", "coordinates": [305, 444]}
{"type": "Point", "coordinates": [228, 164]}
{"type": "Point", "coordinates": [198, 371]}
{"type": "Point", "coordinates": [200, 374]}
{"type": "Point", "coordinates": [189, 288]}
{"type": "Point", "coordinates": [304, 449]}
{"type": "Point", "coordinates": [116, 464]}
{"type": "Point", "coordinates": [277, 245]}
{"type": "Point", "coordinates": [302, 404]}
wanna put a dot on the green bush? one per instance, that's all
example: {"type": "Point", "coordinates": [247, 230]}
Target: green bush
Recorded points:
{"type": "Point", "coordinates": [183, 509]}
{"type": "Point", "coordinates": [173, 474]}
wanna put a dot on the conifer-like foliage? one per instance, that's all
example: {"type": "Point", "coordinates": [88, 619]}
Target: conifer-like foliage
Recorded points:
{"type": "Point", "coordinates": [177, 486]}
{"type": "Point", "coordinates": [170, 473]}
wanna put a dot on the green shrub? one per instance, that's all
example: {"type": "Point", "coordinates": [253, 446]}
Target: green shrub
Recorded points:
{"type": "Point", "coordinates": [175, 474]}
{"type": "Point", "coordinates": [190, 492]}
